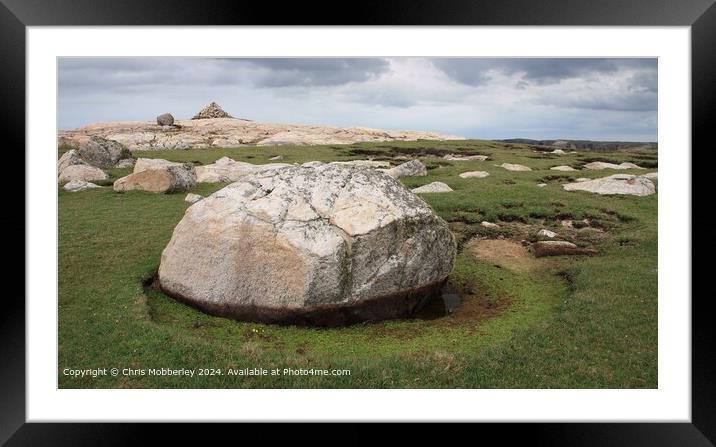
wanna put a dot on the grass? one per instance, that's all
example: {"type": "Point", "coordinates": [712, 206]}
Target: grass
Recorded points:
{"type": "Point", "coordinates": [575, 322]}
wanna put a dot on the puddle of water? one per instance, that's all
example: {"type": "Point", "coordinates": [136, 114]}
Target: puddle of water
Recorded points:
{"type": "Point", "coordinates": [439, 307]}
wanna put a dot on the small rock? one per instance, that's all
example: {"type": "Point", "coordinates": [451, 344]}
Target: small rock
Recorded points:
{"type": "Point", "coordinates": [599, 165]}
{"type": "Point", "coordinates": [276, 158]}
{"type": "Point", "coordinates": [541, 185]}
{"type": "Point", "coordinates": [546, 233]}
{"type": "Point", "coordinates": [79, 185]}
{"type": "Point", "coordinates": [487, 224]}
{"type": "Point", "coordinates": [82, 172]}
{"type": "Point", "coordinates": [515, 167]}
{"type": "Point", "coordinates": [567, 223]}
{"type": "Point", "coordinates": [125, 163]}
{"type": "Point", "coordinates": [465, 157]}
{"type": "Point", "coordinates": [432, 187]}
{"type": "Point", "coordinates": [165, 119]}
{"type": "Point", "coordinates": [413, 168]}
{"type": "Point", "coordinates": [474, 174]}
{"type": "Point", "coordinates": [558, 152]}
{"type": "Point", "coordinates": [582, 179]}
{"type": "Point", "coordinates": [559, 248]}
{"type": "Point", "coordinates": [192, 198]}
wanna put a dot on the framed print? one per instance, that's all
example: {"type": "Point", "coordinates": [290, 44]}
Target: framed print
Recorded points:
{"type": "Point", "coordinates": [483, 217]}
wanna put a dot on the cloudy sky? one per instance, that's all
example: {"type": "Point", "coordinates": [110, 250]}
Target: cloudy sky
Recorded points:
{"type": "Point", "coordinates": [599, 99]}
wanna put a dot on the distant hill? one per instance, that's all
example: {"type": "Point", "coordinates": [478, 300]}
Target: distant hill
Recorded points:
{"type": "Point", "coordinates": [590, 145]}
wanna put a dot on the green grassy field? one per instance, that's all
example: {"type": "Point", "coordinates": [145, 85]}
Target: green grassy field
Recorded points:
{"type": "Point", "coordinates": [567, 322]}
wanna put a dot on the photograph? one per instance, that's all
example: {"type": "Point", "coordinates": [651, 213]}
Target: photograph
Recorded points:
{"type": "Point", "coordinates": [402, 222]}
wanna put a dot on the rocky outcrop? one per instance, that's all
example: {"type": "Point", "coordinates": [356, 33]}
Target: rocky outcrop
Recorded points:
{"type": "Point", "coordinates": [102, 152]}
{"type": "Point", "coordinates": [233, 132]}
{"type": "Point", "coordinates": [452, 157]}
{"type": "Point", "coordinates": [213, 110]}
{"type": "Point", "coordinates": [432, 187]}
{"type": "Point", "coordinates": [599, 165]}
{"type": "Point", "coordinates": [83, 172]}
{"type": "Point", "coordinates": [615, 184]}
{"type": "Point", "coordinates": [413, 168]}
{"type": "Point", "coordinates": [515, 167]}
{"type": "Point", "coordinates": [562, 168]}
{"type": "Point", "coordinates": [79, 185]}
{"type": "Point", "coordinates": [328, 246]}
{"type": "Point", "coordinates": [227, 170]}
{"type": "Point", "coordinates": [163, 180]}
{"type": "Point", "coordinates": [69, 158]}
{"type": "Point", "coordinates": [474, 174]}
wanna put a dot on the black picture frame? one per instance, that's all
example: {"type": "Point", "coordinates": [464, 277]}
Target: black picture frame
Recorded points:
{"type": "Point", "coordinates": [16, 15]}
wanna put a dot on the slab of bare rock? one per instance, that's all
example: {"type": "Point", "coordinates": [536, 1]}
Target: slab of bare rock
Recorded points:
{"type": "Point", "coordinates": [559, 248]}
{"type": "Point", "coordinates": [192, 198]}
{"type": "Point", "coordinates": [168, 179]}
{"type": "Point", "coordinates": [515, 167]}
{"type": "Point", "coordinates": [487, 224]}
{"type": "Point", "coordinates": [312, 164]}
{"type": "Point", "coordinates": [615, 184]}
{"type": "Point", "coordinates": [432, 187]}
{"type": "Point", "coordinates": [79, 185]}
{"type": "Point", "coordinates": [165, 119]}
{"type": "Point", "coordinates": [541, 185]}
{"type": "Point", "coordinates": [226, 169]}
{"type": "Point", "coordinates": [325, 246]}
{"type": "Point", "coordinates": [558, 152]}
{"type": "Point", "coordinates": [276, 158]}
{"type": "Point", "coordinates": [465, 157]}
{"type": "Point", "coordinates": [125, 163]}
{"type": "Point", "coordinates": [101, 152]}
{"type": "Point", "coordinates": [582, 179]}
{"type": "Point", "coordinates": [474, 174]}
{"type": "Point", "coordinates": [546, 233]}
{"type": "Point", "coordinates": [143, 164]}
{"type": "Point", "coordinates": [213, 110]}
{"type": "Point", "coordinates": [413, 168]}
{"type": "Point", "coordinates": [599, 165]}
{"type": "Point", "coordinates": [366, 163]}
{"type": "Point", "coordinates": [562, 168]}
{"type": "Point", "coordinates": [69, 158]}
{"type": "Point", "coordinates": [85, 173]}
{"type": "Point", "coordinates": [652, 175]}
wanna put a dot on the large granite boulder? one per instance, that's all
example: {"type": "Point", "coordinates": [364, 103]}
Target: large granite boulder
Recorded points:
{"type": "Point", "coordinates": [102, 152]}
{"type": "Point", "coordinates": [143, 164]}
{"type": "Point", "coordinates": [162, 180]}
{"type": "Point", "coordinates": [634, 185]}
{"type": "Point", "coordinates": [69, 158]}
{"type": "Point", "coordinates": [84, 172]}
{"type": "Point", "coordinates": [165, 119]}
{"type": "Point", "coordinates": [327, 246]}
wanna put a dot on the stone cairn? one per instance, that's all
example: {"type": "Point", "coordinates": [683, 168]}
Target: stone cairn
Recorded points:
{"type": "Point", "coordinates": [213, 110]}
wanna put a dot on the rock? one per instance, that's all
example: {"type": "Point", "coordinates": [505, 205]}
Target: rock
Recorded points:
{"type": "Point", "coordinates": [102, 152]}
{"type": "Point", "coordinates": [213, 110]}
{"type": "Point", "coordinates": [162, 180]}
{"type": "Point", "coordinates": [85, 173]}
{"type": "Point", "coordinates": [69, 158]}
{"type": "Point", "coordinates": [615, 184]}
{"type": "Point", "coordinates": [143, 164]}
{"type": "Point", "coordinates": [559, 248]}
{"type": "Point", "coordinates": [486, 224]}
{"type": "Point", "coordinates": [312, 164]}
{"type": "Point", "coordinates": [192, 198]}
{"type": "Point", "coordinates": [413, 168]}
{"type": "Point", "coordinates": [276, 158]}
{"type": "Point", "coordinates": [125, 163]}
{"type": "Point", "coordinates": [432, 187]}
{"type": "Point", "coordinates": [165, 119]}
{"type": "Point", "coordinates": [465, 157]}
{"type": "Point", "coordinates": [546, 233]}
{"type": "Point", "coordinates": [514, 167]}
{"type": "Point", "coordinates": [558, 152]}
{"type": "Point", "coordinates": [651, 175]}
{"type": "Point", "coordinates": [366, 163]}
{"type": "Point", "coordinates": [79, 185]}
{"type": "Point", "coordinates": [562, 168]}
{"type": "Point", "coordinates": [541, 185]}
{"type": "Point", "coordinates": [582, 179]}
{"type": "Point", "coordinates": [567, 223]}
{"type": "Point", "coordinates": [474, 174]}
{"type": "Point", "coordinates": [326, 246]}
{"type": "Point", "coordinates": [599, 165]}
{"type": "Point", "coordinates": [227, 170]}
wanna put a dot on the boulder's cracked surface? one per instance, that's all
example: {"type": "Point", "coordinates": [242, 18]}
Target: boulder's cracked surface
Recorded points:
{"type": "Point", "coordinates": [328, 245]}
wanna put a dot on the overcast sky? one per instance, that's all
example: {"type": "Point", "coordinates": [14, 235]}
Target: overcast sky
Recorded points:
{"type": "Point", "coordinates": [598, 99]}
